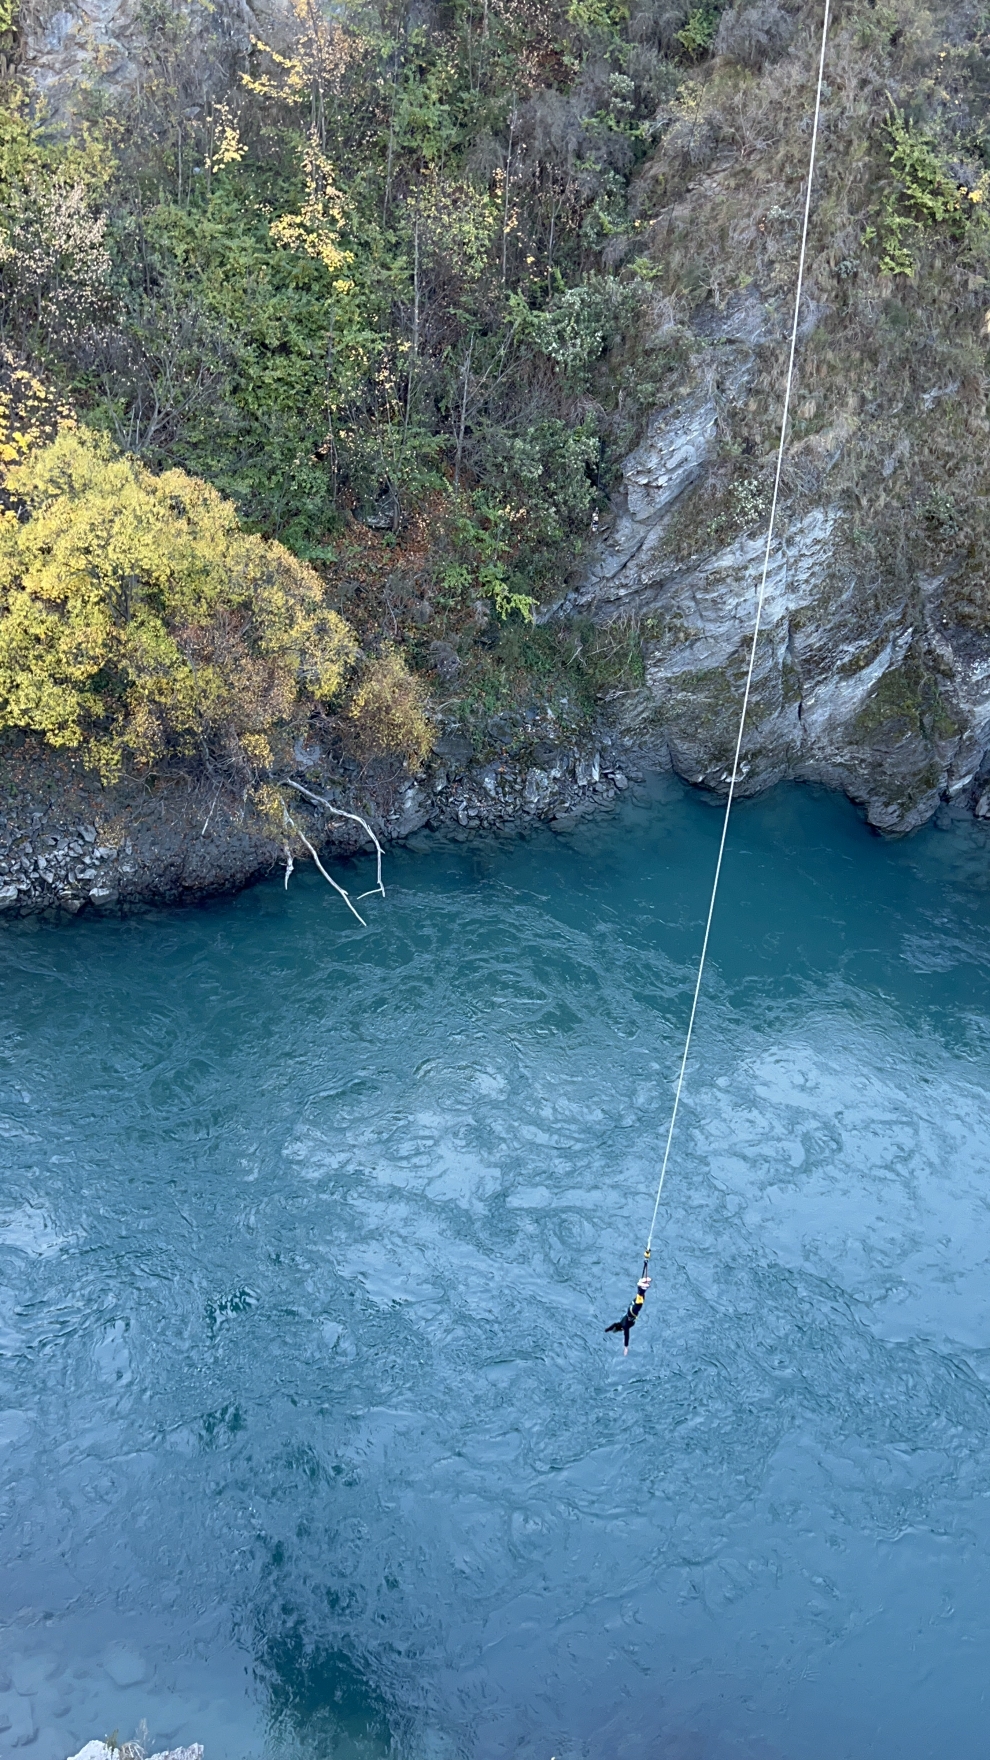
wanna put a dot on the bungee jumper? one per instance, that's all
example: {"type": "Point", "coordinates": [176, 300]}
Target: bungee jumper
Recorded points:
{"type": "Point", "coordinates": [635, 1308]}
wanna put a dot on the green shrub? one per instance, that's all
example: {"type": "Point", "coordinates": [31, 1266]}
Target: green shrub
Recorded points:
{"type": "Point", "coordinates": [923, 195]}
{"type": "Point", "coordinates": [580, 323]}
{"type": "Point", "coordinates": [699, 32]}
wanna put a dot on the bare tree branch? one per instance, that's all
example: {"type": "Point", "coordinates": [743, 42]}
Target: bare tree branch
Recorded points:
{"type": "Point", "coordinates": [339, 813]}
{"type": "Point", "coordinates": [327, 877]}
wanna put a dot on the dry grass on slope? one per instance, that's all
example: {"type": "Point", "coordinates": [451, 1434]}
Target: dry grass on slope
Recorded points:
{"type": "Point", "coordinates": [891, 407]}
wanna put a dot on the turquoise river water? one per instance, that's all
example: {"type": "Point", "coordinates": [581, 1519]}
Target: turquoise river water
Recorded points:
{"type": "Point", "coordinates": [311, 1441]}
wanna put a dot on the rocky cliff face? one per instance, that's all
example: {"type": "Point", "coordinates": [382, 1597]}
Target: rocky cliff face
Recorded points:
{"type": "Point", "coordinates": [67, 46]}
{"type": "Point", "coordinates": [863, 683]}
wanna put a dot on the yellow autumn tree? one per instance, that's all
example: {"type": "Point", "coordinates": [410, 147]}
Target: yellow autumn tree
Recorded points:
{"type": "Point", "coordinates": [30, 415]}
{"type": "Point", "coordinates": [138, 620]}
{"type": "Point", "coordinates": [387, 712]}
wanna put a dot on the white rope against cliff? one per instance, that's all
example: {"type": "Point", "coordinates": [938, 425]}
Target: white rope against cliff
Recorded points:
{"type": "Point", "coordinates": [756, 628]}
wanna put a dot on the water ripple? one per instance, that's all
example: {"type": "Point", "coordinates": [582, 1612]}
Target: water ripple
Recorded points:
{"type": "Point", "coordinates": [310, 1439]}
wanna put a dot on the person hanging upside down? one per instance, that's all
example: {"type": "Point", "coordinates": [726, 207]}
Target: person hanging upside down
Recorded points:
{"type": "Point", "coordinates": [632, 1313]}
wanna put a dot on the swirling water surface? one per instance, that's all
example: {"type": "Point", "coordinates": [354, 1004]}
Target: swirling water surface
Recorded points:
{"type": "Point", "coordinates": [311, 1441]}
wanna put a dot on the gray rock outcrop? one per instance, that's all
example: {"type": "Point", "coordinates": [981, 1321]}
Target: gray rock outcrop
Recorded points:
{"type": "Point", "coordinates": [69, 45]}
{"type": "Point", "coordinates": [858, 684]}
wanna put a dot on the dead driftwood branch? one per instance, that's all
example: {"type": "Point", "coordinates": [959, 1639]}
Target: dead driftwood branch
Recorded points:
{"type": "Point", "coordinates": [340, 813]}
{"type": "Point", "coordinates": [336, 813]}
{"type": "Point", "coordinates": [290, 822]}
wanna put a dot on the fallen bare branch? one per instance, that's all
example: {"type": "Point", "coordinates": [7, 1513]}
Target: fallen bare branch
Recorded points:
{"type": "Point", "coordinates": [327, 877]}
{"type": "Point", "coordinates": [339, 813]}
{"type": "Point", "coordinates": [209, 815]}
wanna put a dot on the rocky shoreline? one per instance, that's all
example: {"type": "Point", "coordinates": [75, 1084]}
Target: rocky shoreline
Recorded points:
{"type": "Point", "coordinates": [70, 847]}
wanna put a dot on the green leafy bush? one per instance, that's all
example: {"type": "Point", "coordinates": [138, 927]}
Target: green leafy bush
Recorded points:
{"type": "Point", "coordinates": [698, 34]}
{"type": "Point", "coordinates": [580, 323]}
{"type": "Point", "coordinates": [545, 478]}
{"type": "Point", "coordinates": [923, 195]}
{"type": "Point", "coordinates": [55, 265]}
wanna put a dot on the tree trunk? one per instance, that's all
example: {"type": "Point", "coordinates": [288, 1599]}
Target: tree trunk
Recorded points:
{"type": "Point", "coordinates": [463, 417]}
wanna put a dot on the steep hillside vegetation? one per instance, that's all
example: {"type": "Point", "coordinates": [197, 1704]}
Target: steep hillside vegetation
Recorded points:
{"type": "Point", "coordinates": [478, 310]}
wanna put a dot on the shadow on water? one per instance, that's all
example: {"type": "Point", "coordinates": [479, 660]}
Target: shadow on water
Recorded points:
{"type": "Point", "coordinates": [321, 1704]}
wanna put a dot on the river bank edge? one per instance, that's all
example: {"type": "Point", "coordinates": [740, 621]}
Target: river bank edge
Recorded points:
{"type": "Point", "coordinates": [71, 846]}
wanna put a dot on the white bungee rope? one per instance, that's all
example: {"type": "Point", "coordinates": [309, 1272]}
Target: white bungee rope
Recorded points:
{"type": "Point", "coordinates": [756, 635]}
